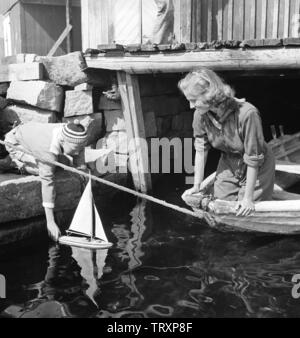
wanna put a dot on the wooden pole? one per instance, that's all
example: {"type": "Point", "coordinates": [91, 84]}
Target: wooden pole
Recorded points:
{"type": "Point", "coordinates": [69, 23]}
{"type": "Point", "coordinates": [132, 107]}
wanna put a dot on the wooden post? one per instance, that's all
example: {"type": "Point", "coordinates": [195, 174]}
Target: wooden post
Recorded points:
{"type": "Point", "coordinates": [132, 108]}
{"type": "Point", "coordinates": [69, 23]}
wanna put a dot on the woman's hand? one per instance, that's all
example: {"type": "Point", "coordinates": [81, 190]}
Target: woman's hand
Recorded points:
{"type": "Point", "coordinates": [190, 191]}
{"type": "Point", "coordinates": [245, 207]}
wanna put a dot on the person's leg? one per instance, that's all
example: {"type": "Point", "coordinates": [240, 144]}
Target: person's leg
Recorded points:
{"type": "Point", "coordinates": [265, 180]}
{"type": "Point", "coordinates": [226, 186]}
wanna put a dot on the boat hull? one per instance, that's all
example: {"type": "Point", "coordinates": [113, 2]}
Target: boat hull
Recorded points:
{"type": "Point", "coordinates": [84, 242]}
{"type": "Point", "coordinates": [277, 223]}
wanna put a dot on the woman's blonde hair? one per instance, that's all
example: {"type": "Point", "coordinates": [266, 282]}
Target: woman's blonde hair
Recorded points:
{"type": "Point", "coordinates": [205, 84]}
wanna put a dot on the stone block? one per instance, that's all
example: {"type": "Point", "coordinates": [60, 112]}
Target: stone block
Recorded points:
{"type": "Point", "coordinates": [84, 86]}
{"type": "Point", "coordinates": [66, 70]}
{"type": "Point", "coordinates": [41, 94]}
{"type": "Point", "coordinates": [24, 114]}
{"type": "Point", "coordinates": [21, 196]}
{"type": "Point", "coordinates": [93, 123]}
{"type": "Point", "coordinates": [106, 104]}
{"type": "Point", "coordinates": [114, 120]}
{"type": "Point", "coordinates": [78, 103]}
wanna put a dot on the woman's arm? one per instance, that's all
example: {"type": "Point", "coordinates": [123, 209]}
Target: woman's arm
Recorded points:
{"type": "Point", "coordinates": [200, 161]}
{"type": "Point", "coordinates": [246, 205]}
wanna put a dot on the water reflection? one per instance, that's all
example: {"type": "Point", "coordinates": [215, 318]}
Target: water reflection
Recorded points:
{"type": "Point", "coordinates": [162, 264]}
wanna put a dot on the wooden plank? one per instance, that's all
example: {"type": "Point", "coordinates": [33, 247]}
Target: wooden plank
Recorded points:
{"type": "Point", "coordinates": [275, 17]}
{"type": "Point", "coordinates": [68, 23]}
{"type": "Point", "coordinates": [296, 20]}
{"type": "Point", "coordinates": [250, 12]}
{"type": "Point", "coordinates": [253, 19]}
{"type": "Point", "coordinates": [194, 21]}
{"type": "Point", "coordinates": [129, 90]}
{"type": "Point", "coordinates": [286, 20]}
{"type": "Point", "coordinates": [186, 20]}
{"type": "Point", "coordinates": [263, 23]}
{"type": "Point", "coordinates": [75, 3]}
{"type": "Point", "coordinates": [21, 71]}
{"type": "Point", "coordinates": [85, 27]}
{"type": "Point", "coordinates": [209, 20]}
{"type": "Point", "coordinates": [59, 41]}
{"type": "Point", "coordinates": [214, 24]}
{"type": "Point", "coordinates": [238, 22]}
{"type": "Point", "coordinates": [204, 19]}
{"type": "Point", "coordinates": [230, 20]}
{"type": "Point", "coordinates": [177, 23]}
{"type": "Point", "coordinates": [258, 59]}
{"type": "Point", "coordinates": [247, 20]}
{"type": "Point", "coordinates": [220, 19]}
{"type": "Point", "coordinates": [199, 26]}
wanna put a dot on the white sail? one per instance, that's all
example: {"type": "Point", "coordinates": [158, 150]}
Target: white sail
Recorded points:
{"type": "Point", "coordinates": [82, 222]}
{"type": "Point", "coordinates": [99, 233]}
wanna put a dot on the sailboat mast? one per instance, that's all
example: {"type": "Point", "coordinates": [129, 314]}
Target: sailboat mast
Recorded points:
{"type": "Point", "coordinates": [93, 221]}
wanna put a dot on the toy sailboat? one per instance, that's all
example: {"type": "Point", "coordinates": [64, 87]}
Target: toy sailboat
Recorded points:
{"type": "Point", "coordinates": [86, 229]}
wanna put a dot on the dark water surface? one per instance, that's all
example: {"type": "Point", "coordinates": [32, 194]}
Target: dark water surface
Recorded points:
{"type": "Point", "coordinates": [162, 264]}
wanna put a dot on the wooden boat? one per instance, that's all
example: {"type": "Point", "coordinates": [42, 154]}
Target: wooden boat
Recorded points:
{"type": "Point", "coordinates": [86, 229]}
{"type": "Point", "coordinates": [286, 149]}
{"type": "Point", "coordinates": [280, 216]}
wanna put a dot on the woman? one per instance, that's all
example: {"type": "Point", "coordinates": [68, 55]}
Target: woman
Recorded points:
{"type": "Point", "coordinates": [246, 168]}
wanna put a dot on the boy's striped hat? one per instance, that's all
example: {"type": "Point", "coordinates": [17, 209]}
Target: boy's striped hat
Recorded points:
{"type": "Point", "coordinates": [74, 132]}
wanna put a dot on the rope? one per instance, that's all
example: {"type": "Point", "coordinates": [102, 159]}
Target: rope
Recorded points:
{"type": "Point", "coordinates": [100, 180]}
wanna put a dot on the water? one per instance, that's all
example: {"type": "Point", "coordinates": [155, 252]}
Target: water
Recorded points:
{"type": "Point", "coordinates": [163, 264]}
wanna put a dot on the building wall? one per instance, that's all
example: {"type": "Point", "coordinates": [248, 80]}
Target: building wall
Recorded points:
{"type": "Point", "coordinates": [36, 27]}
{"type": "Point", "coordinates": [208, 20]}
{"type": "Point", "coordinates": [42, 26]}
{"type": "Point", "coordinates": [194, 20]}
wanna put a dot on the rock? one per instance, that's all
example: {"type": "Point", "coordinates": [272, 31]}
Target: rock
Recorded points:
{"type": "Point", "coordinates": [21, 195]}
{"type": "Point", "coordinates": [93, 123]}
{"type": "Point", "coordinates": [41, 94]}
{"type": "Point", "coordinates": [21, 72]}
{"type": "Point", "coordinates": [114, 120]}
{"type": "Point", "coordinates": [12, 311]}
{"type": "Point", "coordinates": [78, 103]}
{"type": "Point", "coordinates": [24, 114]}
{"type": "Point", "coordinates": [66, 70]}
{"type": "Point", "coordinates": [106, 104]}
{"type": "Point", "coordinates": [84, 86]}
{"type": "Point", "coordinates": [47, 309]}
